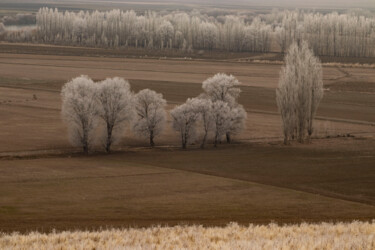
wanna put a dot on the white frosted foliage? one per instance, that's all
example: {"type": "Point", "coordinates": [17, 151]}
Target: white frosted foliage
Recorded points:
{"type": "Point", "coordinates": [150, 116]}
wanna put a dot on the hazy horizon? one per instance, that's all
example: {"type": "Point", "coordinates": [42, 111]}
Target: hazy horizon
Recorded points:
{"type": "Point", "coordinates": [317, 4]}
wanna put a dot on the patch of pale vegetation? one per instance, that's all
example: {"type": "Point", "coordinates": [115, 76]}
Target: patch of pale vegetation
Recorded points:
{"type": "Point", "coordinates": [355, 235]}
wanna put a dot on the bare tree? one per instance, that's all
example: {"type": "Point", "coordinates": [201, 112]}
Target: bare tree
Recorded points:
{"type": "Point", "coordinates": [166, 33]}
{"type": "Point", "coordinates": [204, 108]}
{"type": "Point", "coordinates": [115, 107]}
{"type": "Point", "coordinates": [345, 34]}
{"type": "Point", "coordinates": [185, 117]}
{"type": "Point", "coordinates": [153, 30]}
{"type": "Point", "coordinates": [238, 118]}
{"type": "Point", "coordinates": [331, 34]}
{"type": "Point", "coordinates": [79, 110]}
{"type": "Point", "coordinates": [213, 118]}
{"type": "Point", "coordinates": [286, 98]}
{"type": "Point", "coordinates": [223, 87]}
{"type": "Point", "coordinates": [300, 91]}
{"type": "Point", "coordinates": [2, 28]}
{"type": "Point", "coordinates": [150, 114]}
{"type": "Point", "coordinates": [221, 113]}
{"type": "Point", "coordinates": [316, 93]}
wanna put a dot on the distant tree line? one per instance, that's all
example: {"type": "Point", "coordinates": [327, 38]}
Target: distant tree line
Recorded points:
{"type": "Point", "coordinates": [332, 34]}
{"type": "Point", "coordinates": [183, 31]}
{"type": "Point", "coordinates": [349, 34]}
{"type": "Point", "coordinates": [19, 19]}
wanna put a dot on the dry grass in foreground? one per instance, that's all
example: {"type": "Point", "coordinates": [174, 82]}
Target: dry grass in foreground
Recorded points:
{"type": "Point", "coordinates": [355, 235]}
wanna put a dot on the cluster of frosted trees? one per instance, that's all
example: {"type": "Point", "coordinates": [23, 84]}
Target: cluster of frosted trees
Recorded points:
{"type": "Point", "coordinates": [299, 92]}
{"type": "Point", "coordinates": [216, 111]}
{"type": "Point", "coordinates": [97, 112]}
{"type": "Point", "coordinates": [183, 31]}
{"type": "Point", "coordinates": [332, 34]}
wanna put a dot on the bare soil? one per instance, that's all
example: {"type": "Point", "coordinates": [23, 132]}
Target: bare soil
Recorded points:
{"type": "Point", "coordinates": [45, 183]}
{"type": "Point", "coordinates": [249, 183]}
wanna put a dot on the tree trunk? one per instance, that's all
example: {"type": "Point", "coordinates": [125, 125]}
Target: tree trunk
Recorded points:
{"type": "Point", "coordinates": [300, 139]}
{"type": "Point", "coordinates": [228, 138]}
{"type": "Point", "coordinates": [108, 147]}
{"type": "Point", "coordinates": [183, 140]}
{"type": "Point", "coordinates": [310, 127]}
{"type": "Point", "coordinates": [152, 139]}
{"type": "Point", "coordinates": [109, 139]}
{"type": "Point", "coordinates": [309, 133]}
{"type": "Point", "coordinates": [300, 133]}
{"type": "Point", "coordinates": [85, 148]}
{"type": "Point", "coordinates": [285, 140]}
{"type": "Point", "coordinates": [204, 140]}
{"type": "Point", "coordinates": [308, 139]}
{"type": "Point", "coordinates": [85, 143]}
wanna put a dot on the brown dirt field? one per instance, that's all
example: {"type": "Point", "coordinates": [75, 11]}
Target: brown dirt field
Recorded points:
{"type": "Point", "coordinates": [255, 180]}
{"type": "Point", "coordinates": [175, 70]}
{"type": "Point", "coordinates": [253, 183]}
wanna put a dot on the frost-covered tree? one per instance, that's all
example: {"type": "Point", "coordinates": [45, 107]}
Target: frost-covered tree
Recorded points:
{"type": "Point", "coordinates": [204, 107]}
{"type": "Point", "coordinates": [79, 110]}
{"type": "Point", "coordinates": [185, 31]}
{"type": "Point", "coordinates": [330, 34]}
{"type": "Point", "coordinates": [222, 87]}
{"type": "Point", "coordinates": [238, 118]}
{"type": "Point", "coordinates": [221, 113]}
{"type": "Point", "coordinates": [299, 92]}
{"type": "Point", "coordinates": [184, 118]}
{"type": "Point", "coordinates": [227, 120]}
{"type": "Point", "coordinates": [150, 114]}
{"type": "Point", "coordinates": [2, 28]}
{"type": "Point", "coordinates": [115, 107]}
{"type": "Point", "coordinates": [346, 34]}
{"type": "Point", "coordinates": [316, 91]}
{"type": "Point", "coordinates": [286, 98]}
{"type": "Point", "coordinates": [166, 33]}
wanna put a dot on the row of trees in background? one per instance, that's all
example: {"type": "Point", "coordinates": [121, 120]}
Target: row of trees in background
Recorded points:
{"type": "Point", "coordinates": [97, 112]}
{"type": "Point", "coordinates": [117, 28]}
{"type": "Point", "coordinates": [332, 34]}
